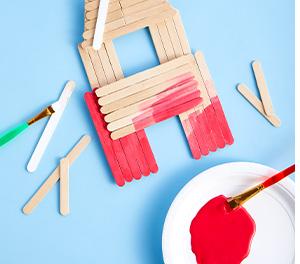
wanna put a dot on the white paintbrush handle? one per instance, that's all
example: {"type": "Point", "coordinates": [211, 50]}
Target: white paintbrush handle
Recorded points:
{"type": "Point", "coordinates": [100, 24]}
{"type": "Point", "coordinates": [50, 127]}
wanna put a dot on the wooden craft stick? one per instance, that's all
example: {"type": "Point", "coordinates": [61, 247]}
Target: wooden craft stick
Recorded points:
{"type": "Point", "coordinates": [164, 34]}
{"type": "Point", "coordinates": [257, 104]}
{"type": "Point", "coordinates": [262, 87]}
{"type": "Point", "coordinates": [161, 116]}
{"type": "Point", "coordinates": [145, 22]}
{"type": "Point", "coordinates": [88, 67]}
{"type": "Point", "coordinates": [160, 50]}
{"type": "Point", "coordinates": [149, 102]}
{"type": "Point", "coordinates": [164, 105]}
{"type": "Point", "coordinates": [132, 99]}
{"type": "Point", "coordinates": [127, 3]}
{"type": "Point", "coordinates": [54, 177]}
{"type": "Point", "coordinates": [167, 79]}
{"type": "Point", "coordinates": [181, 34]}
{"type": "Point", "coordinates": [97, 65]}
{"type": "Point", "coordinates": [142, 76]}
{"type": "Point", "coordinates": [64, 186]}
{"type": "Point", "coordinates": [100, 24]}
{"type": "Point", "coordinates": [142, 6]}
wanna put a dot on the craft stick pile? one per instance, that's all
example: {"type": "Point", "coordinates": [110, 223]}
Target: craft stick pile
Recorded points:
{"type": "Point", "coordinates": [122, 107]}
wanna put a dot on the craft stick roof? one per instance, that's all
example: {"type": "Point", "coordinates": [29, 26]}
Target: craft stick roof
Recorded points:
{"type": "Point", "coordinates": [124, 16]}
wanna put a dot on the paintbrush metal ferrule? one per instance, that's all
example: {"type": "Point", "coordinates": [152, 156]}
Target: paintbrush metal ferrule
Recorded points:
{"type": "Point", "coordinates": [46, 112]}
{"type": "Point", "coordinates": [239, 200]}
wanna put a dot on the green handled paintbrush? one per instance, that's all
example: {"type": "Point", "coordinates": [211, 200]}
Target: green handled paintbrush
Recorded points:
{"type": "Point", "coordinates": [12, 133]}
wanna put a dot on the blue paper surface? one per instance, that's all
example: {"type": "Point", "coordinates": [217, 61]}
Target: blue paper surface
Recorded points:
{"type": "Point", "coordinates": [107, 224]}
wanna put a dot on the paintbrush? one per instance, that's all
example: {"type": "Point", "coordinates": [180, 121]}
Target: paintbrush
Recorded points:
{"type": "Point", "coordinates": [12, 133]}
{"type": "Point", "coordinates": [239, 200]}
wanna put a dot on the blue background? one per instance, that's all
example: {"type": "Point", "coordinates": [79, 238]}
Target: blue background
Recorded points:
{"type": "Point", "coordinates": [108, 224]}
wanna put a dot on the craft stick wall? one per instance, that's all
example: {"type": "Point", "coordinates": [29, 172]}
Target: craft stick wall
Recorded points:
{"type": "Point", "coordinates": [129, 154]}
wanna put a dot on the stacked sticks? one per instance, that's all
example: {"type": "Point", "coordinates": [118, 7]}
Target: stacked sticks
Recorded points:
{"type": "Point", "coordinates": [124, 16]}
{"type": "Point", "coordinates": [121, 108]}
{"type": "Point", "coordinates": [149, 97]}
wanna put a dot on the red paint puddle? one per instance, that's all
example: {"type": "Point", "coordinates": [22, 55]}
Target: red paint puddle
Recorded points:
{"type": "Point", "coordinates": [220, 235]}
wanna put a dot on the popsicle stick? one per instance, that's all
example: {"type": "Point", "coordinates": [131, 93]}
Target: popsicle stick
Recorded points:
{"type": "Point", "coordinates": [97, 65]}
{"type": "Point", "coordinates": [64, 186]}
{"type": "Point", "coordinates": [164, 34]}
{"type": "Point", "coordinates": [262, 87]}
{"type": "Point", "coordinates": [132, 99]}
{"type": "Point", "coordinates": [168, 79]}
{"type": "Point", "coordinates": [144, 5]}
{"type": "Point", "coordinates": [112, 149]}
{"type": "Point", "coordinates": [88, 67]}
{"type": "Point", "coordinates": [127, 3]}
{"type": "Point", "coordinates": [142, 76]}
{"type": "Point", "coordinates": [158, 44]}
{"type": "Point", "coordinates": [257, 104]}
{"type": "Point", "coordinates": [146, 158]}
{"type": "Point", "coordinates": [178, 51]}
{"type": "Point", "coordinates": [214, 100]}
{"type": "Point", "coordinates": [145, 22]}
{"type": "Point", "coordinates": [54, 177]}
{"type": "Point", "coordinates": [165, 104]}
{"type": "Point", "coordinates": [161, 116]}
{"type": "Point", "coordinates": [181, 34]}
{"type": "Point", "coordinates": [100, 24]}
{"type": "Point", "coordinates": [184, 117]}
{"type": "Point", "coordinates": [109, 73]}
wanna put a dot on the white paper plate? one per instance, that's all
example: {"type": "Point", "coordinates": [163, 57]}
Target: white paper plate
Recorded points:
{"type": "Point", "coordinates": [272, 210]}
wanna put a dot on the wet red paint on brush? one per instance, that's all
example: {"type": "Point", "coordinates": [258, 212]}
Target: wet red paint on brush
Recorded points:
{"type": "Point", "coordinates": [221, 235]}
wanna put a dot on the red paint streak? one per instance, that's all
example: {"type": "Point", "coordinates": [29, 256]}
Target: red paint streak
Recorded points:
{"type": "Point", "coordinates": [222, 120]}
{"type": "Point", "coordinates": [147, 151]}
{"type": "Point", "coordinates": [190, 135]}
{"type": "Point", "coordinates": [220, 235]}
{"type": "Point", "coordinates": [160, 113]}
{"type": "Point", "coordinates": [279, 176]}
{"type": "Point", "coordinates": [214, 124]}
{"type": "Point", "coordinates": [206, 130]}
{"type": "Point", "coordinates": [198, 133]}
{"type": "Point", "coordinates": [105, 141]}
{"type": "Point", "coordinates": [120, 155]}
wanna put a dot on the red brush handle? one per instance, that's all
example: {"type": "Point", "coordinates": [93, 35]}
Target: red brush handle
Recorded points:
{"type": "Point", "coordinates": [279, 176]}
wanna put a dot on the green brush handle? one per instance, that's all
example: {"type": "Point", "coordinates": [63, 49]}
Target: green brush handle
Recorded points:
{"type": "Point", "coordinates": [12, 133]}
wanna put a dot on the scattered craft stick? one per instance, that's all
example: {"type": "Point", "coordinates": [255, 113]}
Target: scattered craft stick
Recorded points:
{"type": "Point", "coordinates": [54, 177]}
{"type": "Point", "coordinates": [50, 127]}
{"type": "Point", "coordinates": [100, 24]}
{"type": "Point", "coordinates": [64, 186]}
{"type": "Point", "coordinates": [262, 87]}
{"type": "Point", "coordinates": [258, 105]}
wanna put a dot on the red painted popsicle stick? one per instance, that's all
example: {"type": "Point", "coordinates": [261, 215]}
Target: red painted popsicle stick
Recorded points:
{"type": "Point", "coordinates": [163, 115]}
{"type": "Point", "coordinates": [107, 144]}
{"type": "Point", "coordinates": [147, 151]}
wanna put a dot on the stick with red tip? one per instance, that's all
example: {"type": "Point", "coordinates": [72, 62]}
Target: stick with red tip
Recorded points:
{"type": "Point", "coordinates": [240, 199]}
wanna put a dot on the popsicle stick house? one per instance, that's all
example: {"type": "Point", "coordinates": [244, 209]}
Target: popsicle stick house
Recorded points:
{"type": "Point", "coordinates": [127, 148]}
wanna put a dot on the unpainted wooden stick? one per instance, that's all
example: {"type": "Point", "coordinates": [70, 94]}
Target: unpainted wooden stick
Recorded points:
{"type": "Point", "coordinates": [263, 88]}
{"type": "Point", "coordinates": [54, 177]}
{"type": "Point", "coordinates": [64, 186]}
{"type": "Point", "coordinates": [257, 104]}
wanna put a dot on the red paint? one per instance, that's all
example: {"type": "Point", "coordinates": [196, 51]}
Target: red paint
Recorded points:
{"type": "Point", "coordinates": [107, 146]}
{"type": "Point", "coordinates": [222, 120]}
{"type": "Point", "coordinates": [124, 159]}
{"type": "Point", "coordinates": [190, 135]}
{"type": "Point", "coordinates": [147, 151]}
{"type": "Point", "coordinates": [220, 235]}
{"type": "Point", "coordinates": [206, 130]}
{"type": "Point", "coordinates": [161, 115]}
{"type": "Point", "coordinates": [214, 124]}
{"type": "Point", "coordinates": [198, 133]}
{"type": "Point", "coordinates": [279, 176]}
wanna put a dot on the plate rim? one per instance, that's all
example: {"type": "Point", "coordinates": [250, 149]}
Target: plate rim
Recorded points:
{"type": "Point", "coordinates": [288, 184]}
